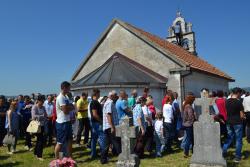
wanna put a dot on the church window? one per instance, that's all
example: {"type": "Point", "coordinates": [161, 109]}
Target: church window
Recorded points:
{"type": "Point", "coordinates": [185, 43]}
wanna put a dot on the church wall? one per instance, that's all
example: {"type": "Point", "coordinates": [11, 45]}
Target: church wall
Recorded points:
{"type": "Point", "coordinates": [174, 84]}
{"type": "Point", "coordinates": [196, 81]}
{"type": "Point", "coordinates": [122, 41]}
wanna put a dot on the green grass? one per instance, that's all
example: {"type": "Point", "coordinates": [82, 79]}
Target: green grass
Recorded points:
{"type": "Point", "coordinates": [26, 159]}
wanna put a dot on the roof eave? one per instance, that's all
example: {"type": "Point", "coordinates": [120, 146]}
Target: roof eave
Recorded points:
{"type": "Point", "coordinates": [122, 85]}
{"type": "Point", "coordinates": [215, 75]}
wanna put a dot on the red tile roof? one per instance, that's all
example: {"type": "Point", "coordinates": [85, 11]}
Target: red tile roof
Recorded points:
{"type": "Point", "coordinates": [193, 61]}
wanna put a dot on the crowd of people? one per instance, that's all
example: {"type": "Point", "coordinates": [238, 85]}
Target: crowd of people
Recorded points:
{"type": "Point", "coordinates": [91, 120]}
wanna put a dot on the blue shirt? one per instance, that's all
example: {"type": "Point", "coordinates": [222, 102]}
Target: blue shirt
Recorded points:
{"type": "Point", "coordinates": [138, 113]}
{"type": "Point", "coordinates": [26, 113]}
{"type": "Point", "coordinates": [175, 105]}
{"type": "Point", "coordinates": [121, 107]}
{"type": "Point", "coordinates": [20, 107]}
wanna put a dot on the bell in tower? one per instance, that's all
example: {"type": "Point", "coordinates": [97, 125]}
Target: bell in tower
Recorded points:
{"type": "Point", "coordinates": [181, 33]}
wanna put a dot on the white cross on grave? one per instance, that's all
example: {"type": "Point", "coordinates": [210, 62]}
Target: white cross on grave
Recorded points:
{"type": "Point", "coordinates": [204, 102]}
{"type": "Point", "coordinates": [207, 145]}
{"type": "Point", "coordinates": [127, 132]}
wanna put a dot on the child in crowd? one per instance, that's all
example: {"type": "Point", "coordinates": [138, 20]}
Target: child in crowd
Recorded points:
{"type": "Point", "coordinates": [159, 137]}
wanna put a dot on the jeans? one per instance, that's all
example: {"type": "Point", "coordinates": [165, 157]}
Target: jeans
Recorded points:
{"type": "Point", "coordinates": [189, 139]}
{"type": "Point", "coordinates": [97, 135]}
{"type": "Point", "coordinates": [234, 131]}
{"type": "Point", "coordinates": [83, 123]}
{"type": "Point", "coordinates": [159, 143]}
{"type": "Point", "coordinates": [168, 133]}
{"type": "Point", "coordinates": [39, 144]}
{"type": "Point", "coordinates": [109, 139]}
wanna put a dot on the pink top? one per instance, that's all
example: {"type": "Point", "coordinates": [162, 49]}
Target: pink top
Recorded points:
{"type": "Point", "coordinates": [221, 104]}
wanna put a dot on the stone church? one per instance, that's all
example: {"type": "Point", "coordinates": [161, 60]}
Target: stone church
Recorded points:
{"type": "Point", "coordinates": [126, 57]}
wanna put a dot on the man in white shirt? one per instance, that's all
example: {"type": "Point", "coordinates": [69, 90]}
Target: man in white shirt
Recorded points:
{"type": "Point", "coordinates": [63, 123]}
{"type": "Point", "coordinates": [246, 105]}
{"type": "Point", "coordinates": [110, 120]}
{"type": "Point", "coordinates": [48, 104]}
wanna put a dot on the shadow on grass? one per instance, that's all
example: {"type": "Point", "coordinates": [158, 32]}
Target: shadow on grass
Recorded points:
{"type": "Point", "coordinates": [246, 154]}
{"type": "Point", "coordinates": [11, 164]}
{"type": "Point", "coordinates": [3, 157]}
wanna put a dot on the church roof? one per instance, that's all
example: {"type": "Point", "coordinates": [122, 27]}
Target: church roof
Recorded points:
{"type": "Point", "coordinates": [120, 70]}
{"type": "Point", "coordinates": [176, 53]}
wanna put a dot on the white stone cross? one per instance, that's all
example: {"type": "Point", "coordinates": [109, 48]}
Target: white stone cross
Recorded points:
{"type": "Point", "coordinates": [204, 102]}
{"type": "Point", "coordinates": [126, 132]}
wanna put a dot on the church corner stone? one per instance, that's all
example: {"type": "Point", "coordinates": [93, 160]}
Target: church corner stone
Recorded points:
{"type": "Point", "coordinates": [128, 133]}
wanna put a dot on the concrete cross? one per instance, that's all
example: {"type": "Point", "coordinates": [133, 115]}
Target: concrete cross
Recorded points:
{"type": "Point", "coordinates": [204, 102]}
{"type": "Point", "coordinates": [126, 131]}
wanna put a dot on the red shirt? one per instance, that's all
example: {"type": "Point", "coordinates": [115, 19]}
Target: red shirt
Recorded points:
{"type": "Point", "coordinates": [54, 112]}
{"type": "Point", "coordinates": [221, 104]}
{"type": "Point", "coordinates": [152, 109]}
{"type": "Point", "coordinates": [164, 101]}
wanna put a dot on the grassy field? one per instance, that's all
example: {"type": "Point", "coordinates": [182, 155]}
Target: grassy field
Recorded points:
{"type": "Point", "coordinates": [26, 159]}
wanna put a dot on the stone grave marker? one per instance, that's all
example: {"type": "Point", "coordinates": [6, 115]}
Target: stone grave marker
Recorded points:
{"type": "Point", "coordinates": [127, 132]}
{"type": "Point", "coordinates": [207, 143]}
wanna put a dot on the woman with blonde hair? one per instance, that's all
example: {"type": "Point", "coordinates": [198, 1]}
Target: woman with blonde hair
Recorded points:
{"type": "Point", "coordinates": [12, 125]}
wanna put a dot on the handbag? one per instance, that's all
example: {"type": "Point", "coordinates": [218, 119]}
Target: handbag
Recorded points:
{"type": "Point", "coordinates": [34, 127]}
{"type": "Point", "coordinates": [9, 139]}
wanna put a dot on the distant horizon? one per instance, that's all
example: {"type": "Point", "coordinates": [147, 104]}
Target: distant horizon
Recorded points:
{"type": "Point", "coordinates": [43, 42]}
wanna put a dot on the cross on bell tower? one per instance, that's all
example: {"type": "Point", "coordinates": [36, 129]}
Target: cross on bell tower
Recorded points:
{"type": "Point", "coordinates": [181, 33]}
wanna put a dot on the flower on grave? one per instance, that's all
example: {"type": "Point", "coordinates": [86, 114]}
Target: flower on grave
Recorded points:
{"type": "Point", "coordinates": [65, 162]}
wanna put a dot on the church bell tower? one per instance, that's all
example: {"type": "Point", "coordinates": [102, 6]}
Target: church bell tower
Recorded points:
{"type": "Point", "coordinates": [181, 33]}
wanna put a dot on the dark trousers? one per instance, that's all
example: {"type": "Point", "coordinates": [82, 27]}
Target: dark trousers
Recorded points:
{"type": "Point", "coordinates": [27, 134]}
{"type": "Point", "coordinates": [139, 146]}
{"type": "Point", "coordinates": [48, 132]}
{"type": "Point", "coordinates": [39, 144]}
{"type": "Point", "coordinates": [189, 139]}
{"type": "Point", "coordinates": [109, 139]}
{"type": "Point", "coordinates": [149, 138]}
{"type": "Point", "coordinates": [248, 126]}
{"type": "Point", "coordinates": [168, 133]}
{"type": "Point", "coordinates": [3, 132]}
{"type": "Point", "coordinates": [83, 124]}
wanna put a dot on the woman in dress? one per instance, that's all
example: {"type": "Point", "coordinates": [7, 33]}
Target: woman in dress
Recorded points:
{"type": "Point", "coordinates": [12, 125]}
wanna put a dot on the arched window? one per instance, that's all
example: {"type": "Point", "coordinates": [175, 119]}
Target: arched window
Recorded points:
{"type": "Point", "coordinates": [185, 43]}
{"type": "Point", "coordinates": [177, 27]}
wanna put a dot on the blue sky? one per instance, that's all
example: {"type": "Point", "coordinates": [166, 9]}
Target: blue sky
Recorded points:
{"type": "Point", "coordinates": [43, 42]}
